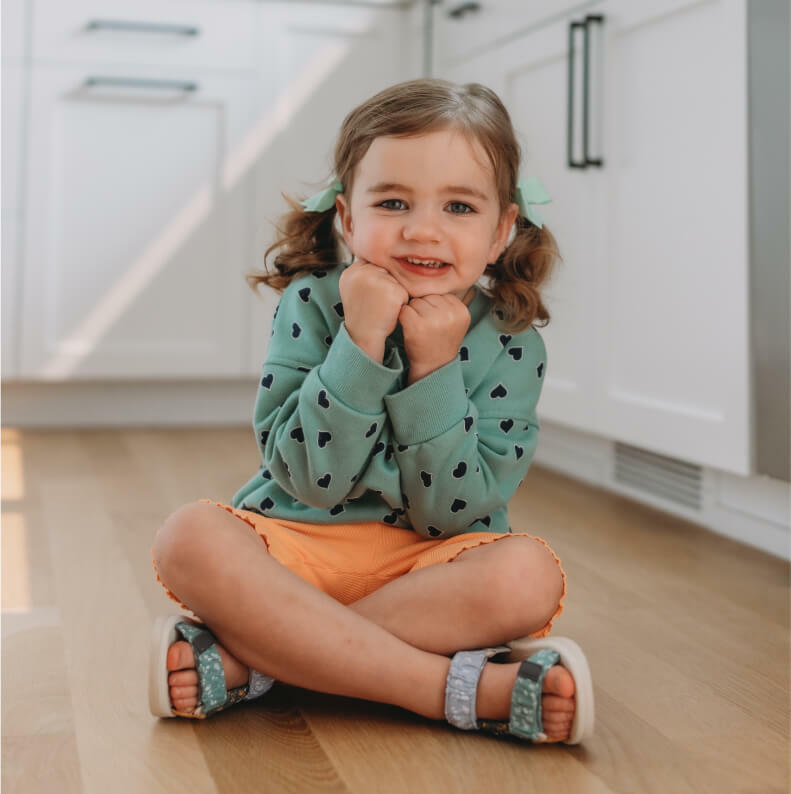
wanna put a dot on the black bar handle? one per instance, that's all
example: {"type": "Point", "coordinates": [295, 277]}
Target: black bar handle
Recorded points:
{"type": "Point", "coordinates": [142, 27]}
{"type": "Point", "coordinates": [572, 163]}
{"type": "Point", "coordinates": [585, 119]}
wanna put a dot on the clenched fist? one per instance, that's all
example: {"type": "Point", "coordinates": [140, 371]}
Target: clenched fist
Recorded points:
{"type": "Point", "coordinates": [434, 327]}
{"type": "Point", "coordinates": [372, 300]}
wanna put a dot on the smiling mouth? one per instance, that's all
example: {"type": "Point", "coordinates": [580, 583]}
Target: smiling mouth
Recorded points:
{"type": "Point", "coordinates": [423, 266]}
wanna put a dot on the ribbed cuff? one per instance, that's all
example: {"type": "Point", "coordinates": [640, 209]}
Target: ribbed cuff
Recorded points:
{"type": "Point", "coordinates": [355, 378]}
{"type": "Point", "coordinates": [430, 406]}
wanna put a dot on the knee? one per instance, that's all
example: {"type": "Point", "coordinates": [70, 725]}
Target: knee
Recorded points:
{"type": "Point", "coordinates": [530, 584]}
{"type": "Point", "coordinates": [178, 539]}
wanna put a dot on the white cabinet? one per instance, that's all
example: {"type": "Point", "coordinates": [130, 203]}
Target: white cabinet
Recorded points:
{"type": "Point", "coordinates": [158, 139]}
{"type": "Point", "coordinates": [648, 342]}
{"type": "Point", "coordinates": [137, 224]}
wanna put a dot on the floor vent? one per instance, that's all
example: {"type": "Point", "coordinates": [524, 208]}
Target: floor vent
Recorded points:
{"type": "Point", "coordinates": [668, 478]}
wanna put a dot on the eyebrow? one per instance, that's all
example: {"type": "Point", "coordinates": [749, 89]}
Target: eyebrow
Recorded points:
{"type": "Point", "coordinates": [388, 187]}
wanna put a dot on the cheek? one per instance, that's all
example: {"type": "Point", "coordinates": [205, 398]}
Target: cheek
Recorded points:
{"type": "Point", "coordinates": [372, 237]}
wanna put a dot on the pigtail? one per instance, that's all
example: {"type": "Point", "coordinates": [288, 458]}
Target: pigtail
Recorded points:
{"type": "Point", "coordinates": [517, 276]}
{"type": "Point", "coordinates": [307, 241]}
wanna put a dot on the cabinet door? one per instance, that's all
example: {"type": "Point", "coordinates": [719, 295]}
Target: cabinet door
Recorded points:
{"type": "Point", "coordinates": [137, 222]}
{"type": "Point", "coordinates": [326, 61]}
{"type": "Point", "coordinates": [648, 342]}
{"type": "Point", "coordinates": [530, 75]}
{"type": "Point", "coordinates": [675, 374]}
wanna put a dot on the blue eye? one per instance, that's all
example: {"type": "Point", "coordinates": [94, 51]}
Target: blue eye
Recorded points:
{"type": "Point", "coordinates": [390, 201]}
{"type": "Point", "coordinates": [468, 209]}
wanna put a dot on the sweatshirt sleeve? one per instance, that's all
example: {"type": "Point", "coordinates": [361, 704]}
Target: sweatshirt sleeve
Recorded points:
{"type": "Point", "coordinates": [319, 408]}
{"type": "Point", "coordinates": [463, 456]}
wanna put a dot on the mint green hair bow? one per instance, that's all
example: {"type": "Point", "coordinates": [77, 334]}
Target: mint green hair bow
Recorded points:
{"type": "Point", "coordinates": [324, 199]}
{"type": "Point", "coordinates": [531, 191]}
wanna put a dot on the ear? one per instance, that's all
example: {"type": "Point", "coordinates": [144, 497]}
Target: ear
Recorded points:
{"type": "Point", "coordinates": [345, 217]}
{"type": "Point", "coordinates": [503, 230]}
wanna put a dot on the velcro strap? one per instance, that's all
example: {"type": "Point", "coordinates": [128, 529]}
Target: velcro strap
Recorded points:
{"type": "Point", "coordinates": [525, 719]}
{"type": "Point", "coordinates": [208, 664]}
{"type": "Point", "coordinates": [461, 688]}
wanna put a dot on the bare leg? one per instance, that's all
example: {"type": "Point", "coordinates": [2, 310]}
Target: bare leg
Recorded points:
{"type": "Point", "coordinates": [270, 619]}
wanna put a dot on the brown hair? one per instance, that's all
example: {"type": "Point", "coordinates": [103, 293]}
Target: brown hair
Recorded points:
{"type": "Point", "coordinates": [308, 240]}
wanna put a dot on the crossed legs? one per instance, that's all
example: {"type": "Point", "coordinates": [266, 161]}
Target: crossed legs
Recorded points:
{"type": "Point", "coordinates": [391, 646]}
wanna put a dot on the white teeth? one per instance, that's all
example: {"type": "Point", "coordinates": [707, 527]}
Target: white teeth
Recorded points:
{"type": "Point", "coordinates": [427, 263]}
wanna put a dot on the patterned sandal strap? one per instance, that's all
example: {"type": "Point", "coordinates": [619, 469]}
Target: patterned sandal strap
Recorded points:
{"type": "Point", "coordinates": [211, 675]}
{"type": "Point", "coordinates": [461, 687]}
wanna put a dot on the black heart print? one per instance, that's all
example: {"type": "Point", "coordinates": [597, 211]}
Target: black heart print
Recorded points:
{"type": "Point", "coordinates": [458, 504]}
{"type": "Point", "coordinates": [328, 340]}
{"type": "Point", "coordinates": [298, 435]}
{"type": "Point", "coordinates": [371, 430]}
{"type": "Point", "coordinates": [426, 477]}
{"type": "Point", "coordinates": [460, 470]}
{"type": "Point", "coordinates": [324, 438]}
{"type": "Point", "coordinates": [388, 452]}
{"type": "Point", "coordinates": [468, 420]}
{"type": "Point", "coordinates": [323, 401]}
{"type": "Point", "coordinates": [464, 354]}
{"type": "Point", "coordinates": [295, 330]}
{"type": "Point", "coordinates": [334, 511]}
{"type": "Point", "coordinates": [304, 293]}
{"type": "Point", "coordinates": [267, 504]}
{"type": "Point", "coordinates": [319, 273]}
{"type": "Point", "coordinates": [540, 369]}
{"type": "Point", "coordinates": [519, 451]}
{"type": "Point", "coordinates": [390, 518]}
{"type": "Point", "coordinates": [339, 309]}
{"type": "Point", "coordinates": [515, 353]}
{"type": "Point", "coordinates": [267, 475]}
{"type": "Point", "coordinates": [506, 425]}
{"type": "Point", "coordinates": [505, 339]}
{"type": "Point", "coordinates": [266, 381]}
{"type": "Point", "coordinates": [324, 482]}
{"type": "Point", "coordinates": [498, 391]}
{"type": "Point", "coordinates": [402, 448]}
{"type": "Point", "coordinates": [433, 531]}
{"type": "Point", "coordinates": [264, 437]}
{"type": "Point", "coordinates": [378, 447]}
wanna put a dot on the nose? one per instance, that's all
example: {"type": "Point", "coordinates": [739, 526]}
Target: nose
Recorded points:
{"type": "Point", "coordinates": [422, 225]}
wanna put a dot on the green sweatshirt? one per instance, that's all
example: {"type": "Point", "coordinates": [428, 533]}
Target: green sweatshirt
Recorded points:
{"type": "Point", "coordinates": [343, 439]}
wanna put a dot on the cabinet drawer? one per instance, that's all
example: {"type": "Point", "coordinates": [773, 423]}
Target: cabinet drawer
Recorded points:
{"type": "Point", "coordinates": [218, 34]}
{"type": "Point", "coordinates": [464, 32]}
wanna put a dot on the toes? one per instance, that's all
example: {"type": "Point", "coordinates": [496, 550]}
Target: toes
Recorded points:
{"type": "Point", "coordinates": [180, 656]}
{"type": "Point", "coordinates": [184, 693]}
{"type": "Point", "coordinates": [555, 704]}
{"type": "Point", "coordinates": [183, 678]}
{"type": "Point", "coordinates": [559, 681]}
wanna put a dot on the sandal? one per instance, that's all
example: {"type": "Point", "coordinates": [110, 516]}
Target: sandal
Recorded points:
{"type": "Point", "coordinates": [211, 677]}
{"type": "Point", "coordinates": [539, 655]}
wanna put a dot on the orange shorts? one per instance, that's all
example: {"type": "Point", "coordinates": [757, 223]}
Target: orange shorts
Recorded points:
{"type": "Point", "coordinates": [349, 561]}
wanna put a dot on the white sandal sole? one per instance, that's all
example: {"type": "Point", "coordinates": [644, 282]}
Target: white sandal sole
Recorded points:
{"type": "Point", "coordinates": [163, 635]}
{"type": "Point", "coordinates": [573, 659]}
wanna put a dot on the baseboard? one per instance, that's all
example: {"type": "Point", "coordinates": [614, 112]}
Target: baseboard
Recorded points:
{"type": "Point", "coordinates": [752, 510]}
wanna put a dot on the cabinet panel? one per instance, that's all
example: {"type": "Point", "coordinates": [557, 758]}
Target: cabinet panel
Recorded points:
{"type": "Point", "coordinates": [676, 371]}
{"type": "Point", "coordinates": [197, 33]}
{"type": "Point", "coordinates": [137, 222]}
{"type": "Point", "coordinates": [648, 342]}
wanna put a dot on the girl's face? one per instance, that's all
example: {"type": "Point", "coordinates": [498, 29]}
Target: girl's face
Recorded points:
{"type": "Point", "coordinates": [430, 197]}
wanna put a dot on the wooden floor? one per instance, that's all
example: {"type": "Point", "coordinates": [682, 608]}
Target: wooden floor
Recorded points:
{"type": "Point", "coordinates": [686, 634]}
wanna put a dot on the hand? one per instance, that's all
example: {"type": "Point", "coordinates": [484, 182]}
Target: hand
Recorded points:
{"type": "Point", "coordinates": [434, 327]}
{"type": "Point", "coordinates": [372, 300]}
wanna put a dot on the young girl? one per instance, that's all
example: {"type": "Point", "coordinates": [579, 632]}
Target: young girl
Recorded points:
{"type": "Point", "coordinates": [395, 418]}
